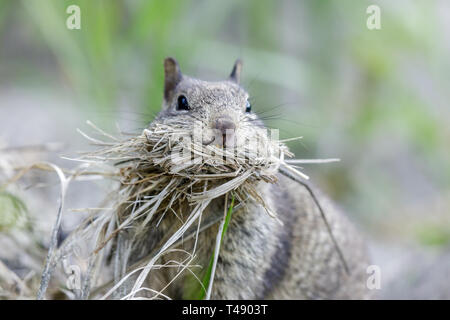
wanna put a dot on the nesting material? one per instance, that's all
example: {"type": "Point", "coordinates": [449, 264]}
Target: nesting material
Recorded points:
{"type": "Point", "coordinates": [162, 172]}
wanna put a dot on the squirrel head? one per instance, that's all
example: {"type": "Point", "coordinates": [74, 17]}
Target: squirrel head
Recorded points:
{"type": "Point", "coordinates": [221, 109]}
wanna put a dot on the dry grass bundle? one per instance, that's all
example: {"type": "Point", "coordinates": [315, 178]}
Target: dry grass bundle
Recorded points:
{"type": "Point", "coordinates": [162, 173]}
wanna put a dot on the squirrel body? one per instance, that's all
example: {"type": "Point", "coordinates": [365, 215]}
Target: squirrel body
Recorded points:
{"type": "Point", "coordinates": [260, 258]}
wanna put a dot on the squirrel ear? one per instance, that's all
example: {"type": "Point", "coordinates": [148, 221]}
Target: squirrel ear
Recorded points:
{"type": "Point", "coordinates": [235, 75]}
{"type": "Point", "coordinates": [172, 76]}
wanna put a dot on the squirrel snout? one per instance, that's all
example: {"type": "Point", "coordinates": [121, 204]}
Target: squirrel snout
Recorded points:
{"type": "Point", "coordinates": [225, 134]}
{"type": "Point", "coordinates": [224, 124]}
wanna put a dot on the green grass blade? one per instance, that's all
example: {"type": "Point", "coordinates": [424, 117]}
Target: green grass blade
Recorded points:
{"type": "Point", "coordinates": [207, 277]}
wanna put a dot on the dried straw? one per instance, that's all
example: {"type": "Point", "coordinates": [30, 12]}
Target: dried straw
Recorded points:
{"type": "Point", "coordinates": [161, 174]}
{"type": "Point", "coordinates": [158, 177]}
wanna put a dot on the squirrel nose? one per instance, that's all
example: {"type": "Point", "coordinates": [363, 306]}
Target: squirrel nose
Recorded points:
{"type": "Point", "coordinates": [224, 123]}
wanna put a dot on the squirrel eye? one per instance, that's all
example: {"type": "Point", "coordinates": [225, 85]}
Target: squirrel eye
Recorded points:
{"type": "Point", "coordinates": [183, 103]}
{"type": "Point", "coordinates": [248, 107]}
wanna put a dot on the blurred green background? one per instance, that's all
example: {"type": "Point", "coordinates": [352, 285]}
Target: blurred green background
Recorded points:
{"type": "Point", "coordinates": [376, 99]}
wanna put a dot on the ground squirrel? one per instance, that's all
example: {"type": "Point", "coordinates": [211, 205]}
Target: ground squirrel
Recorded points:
{"type": "Point", "coordinates": [260, 258]}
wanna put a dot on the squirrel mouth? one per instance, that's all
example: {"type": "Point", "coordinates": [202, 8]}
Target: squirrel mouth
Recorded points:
{"type": "Point", "coordinates": [209, 142]}
{"type": "Point", "coordinates": [224, 141]}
